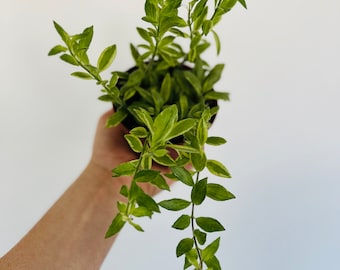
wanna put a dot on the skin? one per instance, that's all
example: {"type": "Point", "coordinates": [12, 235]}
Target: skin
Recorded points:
{"type": "Point", "coordinates": [71, 234]}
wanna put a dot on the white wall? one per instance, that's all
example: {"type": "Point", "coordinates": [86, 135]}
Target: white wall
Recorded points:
{"type": "Point", "coordinates": [282, 126]}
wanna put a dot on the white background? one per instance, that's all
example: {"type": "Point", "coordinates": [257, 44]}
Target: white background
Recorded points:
{"type": "Point", "coordinates": [282, 125]}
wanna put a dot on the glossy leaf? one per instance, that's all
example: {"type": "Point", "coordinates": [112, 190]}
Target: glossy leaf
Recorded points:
{"type": "Point", "coordinates": [243, 3]}
{"type": "Point", "coordinates": [218, 169]}
{"type": "Point", "coordinates": [141, 212]}
{"type": "Point", "coordinates": [124, 191]}
{"type": "Point", "coordinates": [210, 250]}
{"type": "Point", "coordinates": [202, 131]}
{"type": "Point", "coordinates": [213, 263]}
{"type": "Point", "coordinates": [199, 161]}
{"type": "Point", "coordinates": [182, 222]}
{"type": "Point", "coordinates": [56, 50]}
{"type": "Point", "coordinates": [216, 141]}
{"type": "Point", "coordinates": [136, 226]}
{"type": "Point", "coordinates": [200, 236]}
{"type": "Point", "coordinates": [217, 95]}
{"type": "Point", "coordinates": [116, 225]}
{"type": "Point", "coordinates": [213, 77]}
{"type": "Point", "coordinates": [199, 191]}
{"type": "Point", "coordinates": [146, 175]}
{"type": "Point", "coordinates": [147, 201]}
{"type": "Point", "coordinates": [209, 224]}
{"type": "Point", "coordinates": [181, 127]}
{"type": "Point", "coordinates": [160, 182]}
{"type": "Point", "coordinates": [145, 35]}
{"type": "Point", "coordinates": [134, 143]}
{"type": "Point", "coordinates": [184, 246]}
{"type": "Point", "coordinates": [218, 192]}
{"type": "Point", "coordinates": [69, 59]}
{"type": "Point", "coordinates": [174, 204]}
{"type": "Point", "coordinates": [116, 118]}
{"type": "Point", "coordinates": [140, 132]}
{"type": "Point", "coordinates": [183, 175]}
{"type": "Point", "coordinates": [62, 33]}
{"type": "Point", "coordinates": [164, 123]}
{"type": "Point", "coordinates": [106, 58]}
{"type": "Point", "coordinates": [166, 87]}
{"type": "Point", "coordinates": [126, 168]}
{"type": "Point", "coordinates": [82, 75]}
{"type": "Point", "coordinates": [145, 118]}
{"type": "Point", "coordinates": [183, 148]}
{"type": "Point", "coordinates": [194, 81]}
{"type": "Point", "coordinates": [164, 160]}
{"type": "Point", "coordinates": [199, 8]}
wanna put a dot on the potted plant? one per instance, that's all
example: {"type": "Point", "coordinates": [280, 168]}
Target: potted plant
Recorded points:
{"type": "Point", "coordinates": [168, 102]}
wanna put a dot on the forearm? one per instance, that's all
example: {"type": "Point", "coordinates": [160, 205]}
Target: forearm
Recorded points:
{"type": "Point", "coordinates": [71, 234]}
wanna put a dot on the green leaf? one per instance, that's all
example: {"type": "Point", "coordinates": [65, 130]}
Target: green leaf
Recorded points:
{"type": "Point", "coordinates": [147, 201]}
{"type": "Point", "coordinates": [206, 27]}
{"type": "Point", "coordinates": [56, 50]}
{"type": "Point", "coordinates": [69, 59]}
{"type": "Point", "coordinates": [216, 141]}
{"type": "Point", "coordinates": [184, 246]}
{"type": "Point", "coordinates": [136, 226]}
{"type": "Point", "coordinates": [194, 81]}
{"type": "Point", "coordinates": [116, 225]}
{"type": "Point", "coordinates": [134, 142]}
{"type": "Point", "coordinates": [62, 33]}
{"type": "Point", "coordinates": [141, 212]}
{"type": "Point", "coordinates": [209, 224]}
{"type": "Point", "coordinates": [124, 191]}
{"type": "Point", "coordinates": [174, 204]}
{"type": "Point", "coordinates": [199, 8]}
{"type": "Point", "coordinates": [140, 132]}
{"type": "Point", "coordinates": [181, 127]}
{"type": "Point", "coordinates": [106, 98]}
{"type": "Point", "coordinates": [145, 35]}
{"type": "Point", "coordinates": [191, 259]}
{"type": "Point", "coordinates": [86, 38]}
{"type": "Point", "coordinates": [218, 192]}
{"type": "Point", "coordinates": [200, 236]}
{"type": "Point", "coordinates": [218, 169]}
{"type": "Point", "coordinates": [213, 263]}
{"type": "Point", "coordinates": [210, 250]}
{"type": "Point", "coordinates": [199, 192]}
{"type": "Point", "coordinates": [182, 222]}
{"type": "Point", "coordinates": [160, 152]}
{"type": "Point", "coordinates": [164, 160]}
{"type": "Point", "coordinates": [146, 162]}
{"type": "Point", "coordinates": [183, 148]}
{"type": "Point", "coordinates": [213, 77]}
{"type": "Point", "coordinates": [146, 175]}
{"type": "Point", "coordinates": [199, 161]}
{"type": "Point", "coordinates": [214, 95]}
{"type": "Point", "coordinates": [164, 123]}
{"type": "Point", "coordinates": [145, 118]}
{"type": "Point", "coordinates": [166, 87]}
{"type": "Point", "coordinates": [183, 175]}
{"type": "Point", "coordinates": [243, 3]}
{"type": "Point", "coordinates": [126, 168]}
{"type": "Point", "coordinates": [160, 182]}
{"type": "Point", "coordinates": [82, 75]}
{"type": "Point", "coordinates": [106, 58]}
{"type": "Point", "coordinates": [116, 118]}
{"type": "Point", "coordinates": [217, 42]}
{"type": "Point", "coordinates": [202, 131]}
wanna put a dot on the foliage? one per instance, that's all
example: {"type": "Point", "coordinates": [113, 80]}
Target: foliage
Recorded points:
{"type": "Point", "coordinates": [168, 102]}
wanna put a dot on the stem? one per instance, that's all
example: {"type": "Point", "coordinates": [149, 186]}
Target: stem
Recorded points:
{"type": "Point", "coordinates": [193, 231]}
